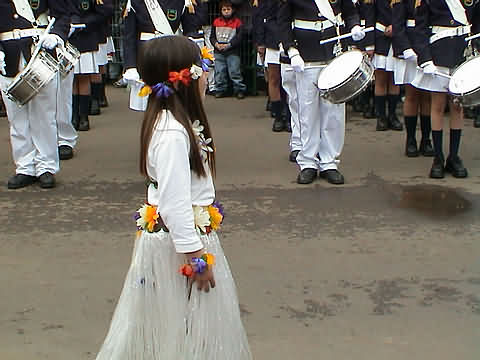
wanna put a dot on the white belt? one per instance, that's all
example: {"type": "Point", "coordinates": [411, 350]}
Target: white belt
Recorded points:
{"type": "Point", "coordinates": [17, 34]}
{"type": "Point", "coordinates": [442, 32]}
{"type": "Point", "coordinates": [149, 36]}
{"type": "Point", "coordinates": [312, 25]}
{"type": "Point", "coordinates": [410, 23]}
{"type": "Point", "coordinates": [380, 27]}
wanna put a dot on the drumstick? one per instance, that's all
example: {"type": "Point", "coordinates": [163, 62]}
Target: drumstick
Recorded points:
{"type": "Point", "coordinates": [472, 37]}
{"type": "Point", "coordinates": [47, 30]}
{"type": "Point", "coordinates": [344, 36]}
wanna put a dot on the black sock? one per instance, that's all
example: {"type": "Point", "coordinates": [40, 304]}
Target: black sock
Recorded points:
{"type": "Point", "coordinates": [83, 104]}
{"type": "Point", "coordinates": [411, 126]}
{"type": "Point", "coordinates": [437, 136]}
{"type": "Point", "coordinates": [426, 126]}
{"type": "Point", "coordinates": [392, 104]}
{"type": "Point", "coordinates": [380, 106]}
{"type": "Point", "coordinates": [96, 90]}
{"type": "Point", "coordinates": [455, 135]}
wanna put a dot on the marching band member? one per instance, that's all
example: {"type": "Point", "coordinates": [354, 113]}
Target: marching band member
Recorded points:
{"type": "Point", "coordinates": [440, 30]}
{"type": "Point", "coordinates": [267, 38]}
{"type": "Point", "coordinates": [403, 28]}
{"type": "Point", "coordinates": [385, 89]}
{"type": "Point", "coordinates": [366, 11]}
{"type": "Point", "coordinates": [33, 128]}
{"type": "Point", "coordinates": [90, 13]}
{"type": "Point", "coordinates": [322, 124]}
{"type": "Point", "coordinates": [140, 27]}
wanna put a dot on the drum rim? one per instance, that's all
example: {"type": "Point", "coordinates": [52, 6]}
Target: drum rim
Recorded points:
{"type": "Point", "coordinates": [453, 75]}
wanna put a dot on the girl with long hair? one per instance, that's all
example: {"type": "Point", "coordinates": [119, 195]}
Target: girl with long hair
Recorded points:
{"type": "Point", "coordinates": [179, 300]}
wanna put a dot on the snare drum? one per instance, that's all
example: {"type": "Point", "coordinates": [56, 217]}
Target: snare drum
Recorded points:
{"type": "Point", "coordinates": [465, 83]}
{"type": "Point", "coordinates": [39, 72]}
{"type": "Point", "coordinates": [67, 56]}
{"type": "Point", "coordinates": [345, 77]}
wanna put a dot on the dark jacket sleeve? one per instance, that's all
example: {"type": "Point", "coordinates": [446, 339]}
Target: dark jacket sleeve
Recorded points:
{"type": "Point", "coordinates": [61, 11]}
{"type": "Point", "coordinates": [130, 40]}
{"type": "Point", "coordinates": [350, 14]}
{"type": "Point", "coordinates": [192, 23]}
{"type": "Point", "coordinates": [422, 34]}
{"type": "Point", "coordinates": [369, 40]}
{"type": "Point", "coordinates": [213, 35]}
{"type": "Point", "coordinates": [400, 38]}
{"type": "Point", "coordinates": [284, 20]}
{"type": "Point", "coordinates": [258, 24]}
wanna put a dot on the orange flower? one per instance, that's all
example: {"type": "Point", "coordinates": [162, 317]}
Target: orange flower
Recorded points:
{"type": "Point", "coordinates": [151, 217]}
{"type": "Point", "coordinates": [215, 217]}
{"type": "Point", "coordinates": [186, 270]}
{"type": "Point", "coordinates": [207, 53]}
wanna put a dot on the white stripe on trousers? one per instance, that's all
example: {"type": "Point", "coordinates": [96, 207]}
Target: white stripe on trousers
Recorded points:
{"type": "Point", "coordinates": [67, 135]}
{"type": "Point", "coordinates": [288, 84]}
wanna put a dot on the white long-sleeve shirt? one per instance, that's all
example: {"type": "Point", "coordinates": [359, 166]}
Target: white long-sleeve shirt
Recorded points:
{"type": "Point", "coordinates": [179, 188]}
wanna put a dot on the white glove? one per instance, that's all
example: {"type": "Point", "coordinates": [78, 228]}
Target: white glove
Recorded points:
{"type": "Point", "coordinates": [357, 33]}
{"type": "Point", "coordinates": [50, 41]}
{"type": "Point", "coordinates": [2, 63]}
{"type": "Point", "coordinates": [296, 60]}
{"type": "Point", "coordinates": [430, 68]}
{"type": "Point", "coordinates": [409, 54]}
{"type": "Point", "coordinates": [131, 75]}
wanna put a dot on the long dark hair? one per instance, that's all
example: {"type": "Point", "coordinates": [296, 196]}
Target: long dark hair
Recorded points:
{"type": "Point", "coordinates": [157, 58]}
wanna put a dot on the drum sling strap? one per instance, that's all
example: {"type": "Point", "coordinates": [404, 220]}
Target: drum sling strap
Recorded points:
{"type": "Point", "coordinates": [158, 17]}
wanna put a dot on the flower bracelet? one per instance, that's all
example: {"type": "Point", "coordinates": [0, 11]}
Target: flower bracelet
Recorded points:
{"type": "Point", "coordinates": [197, 265]}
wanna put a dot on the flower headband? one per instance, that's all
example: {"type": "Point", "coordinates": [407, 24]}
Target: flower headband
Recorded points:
{"type": "Point", "coordinates": [165, 88]}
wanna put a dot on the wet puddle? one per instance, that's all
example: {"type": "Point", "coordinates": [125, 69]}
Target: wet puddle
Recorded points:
{"type": "Point", "coordinates": [435, 201]}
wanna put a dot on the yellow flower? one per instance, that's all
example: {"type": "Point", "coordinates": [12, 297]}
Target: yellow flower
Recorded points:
{"type": "Point", "coordinates": [145, 91]}
{"type": "Point", "coordinates": [210, 259]}
{"type": "Point", "coordinates": [215, 217]}
{"type": "Point", "coordinates": [207, 53]}
{"type": "Point", "coordinates": [151, 217]}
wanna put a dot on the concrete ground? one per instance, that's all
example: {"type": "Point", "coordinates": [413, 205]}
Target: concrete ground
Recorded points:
{"type": "Point", "coordinates": [385, 267]}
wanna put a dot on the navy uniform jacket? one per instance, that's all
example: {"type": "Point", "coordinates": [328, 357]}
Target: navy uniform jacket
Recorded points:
{"type": "Point", "coordinates": [403, 35]}
{"type": "Point", "coordinates": [92, 13]}
{"type": "Point", "coordinates": [9, 20]}
{"type": "Point", "coordinates": [447, 52]}
{"type": "Point", "coordinates": [266, 30]}
{"type": "Point", "coordinates": [383, 14]}
{"type": "Point", "coordinates": [138, 20]}
{"type": "Point", "coordinates": [307, 41]}
{"type": "Point", "coordinates": [366, 11]}
{"type": "Point", "coordinates": [104, 29]}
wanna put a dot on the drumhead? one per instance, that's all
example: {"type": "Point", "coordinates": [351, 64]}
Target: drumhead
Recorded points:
{"type": "Point", "coordinates": [340, 69]}
{"type": "Point", "coordinates": [465, 79]}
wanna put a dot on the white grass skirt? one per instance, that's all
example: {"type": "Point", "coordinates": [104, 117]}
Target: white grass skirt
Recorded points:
{"type": "Point", "coordinates": [110, 45]}
{"type": "Point", "coordinates": [272, 56]}
{"type": "Point", "coordinates": [101, 54]}
{"type": "Point", "coordinates": [137, 103]}
{"type": "Point", "coordinates": [87, 64]}
{"type": "Point", "coordinates": [405, 71]}
{"type": "Point", "coordinates": [430, 82]}
{"type": "Point", "coordinates": [154, 318]}
{"type": "Point", "coordinates": [383, 62]}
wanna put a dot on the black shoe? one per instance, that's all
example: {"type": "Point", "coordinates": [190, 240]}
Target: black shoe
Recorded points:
{"type": "Point", "coordinates": [20, 180]}
{"type": "Point", "coordinates": [83, 123]}
{"type": "Point", "coordinates": [394, 123]}
{"type": "Point", "coordinates": [219, 95]}
{"type": "Point", "coordinates": [333, 176]}
{"type": "Point", "coordinates": [240, 95]}
{"type": "Point", "coordinates": [382, 124]}
{"type": "Point", "coordinates": [476, 121]}
{"type": "Point", "coordinates": [278, 124]}
{"type": "Point", "coordinates": [455, 167]}
{"type": "Point", "coordinates": [94, 107]}
{"type": "Point", "coordinates": [426, 148]}
{"type": "Point", "coordinates": [411, 148]}
{"type": "Point", "coordinates": [47, 180]}
{"type": "Point", "coordinates": [306, 176]}
{"type": "Point", "coordinates": [103, 102]}
{"type": "Point", "coordinates": [369, 112]}
{"type": "Point", "coordinates": [65, 152]}
{"type": "Point", "coordinates": [75, 121]}
{"type": "Point", "coordinates": [438, 169]}
{"type": "Point", "coordinates": [293, 156]}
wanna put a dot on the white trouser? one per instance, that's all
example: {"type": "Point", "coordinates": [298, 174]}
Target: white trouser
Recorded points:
{"type": "Point", "coordinates": [322, 124]}
{"type": "Point", "coordinates": [288, 84]}
{"type": "Point", "coordinates": [67, 135]}
{"type": "Point", "coordinates": [33, 130]}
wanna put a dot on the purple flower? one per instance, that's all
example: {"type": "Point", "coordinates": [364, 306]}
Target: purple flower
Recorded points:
{"type": "Point", "coordinates": [219, 207]}
{"type": "Point", "coordinates": [136, 216]}
{"type": "Point", "coordinates": [206, 63]}
{"type": "Point", "coordinates": [162, 90]}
